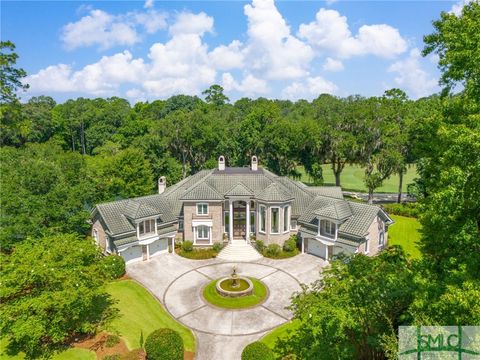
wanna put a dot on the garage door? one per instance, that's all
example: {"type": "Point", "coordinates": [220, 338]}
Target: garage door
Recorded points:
{"type": "Point", "coordinates": [316, 248]}
{"type": "Point", "coordinates": [132, 254]}
{"type": "Point", "coordinates": [158, 247]}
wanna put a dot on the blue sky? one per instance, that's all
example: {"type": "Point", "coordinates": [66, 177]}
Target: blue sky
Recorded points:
{"type": "Point", "coordinates": [284, 49]}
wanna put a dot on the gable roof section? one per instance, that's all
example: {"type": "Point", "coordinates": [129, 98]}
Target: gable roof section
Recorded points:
{"type": "Point", "coordinates": [338, 211]}
{"type": "Point", "coordinates": [239, 190]}
{"type": "Point", "coordinates": [329, 191]}
{"type": "Point", "coordinates": [137, 210]}
{"type": "Point", "coordinates": [358, 224]}
{"type": "Point", "coordinates": [274, 193]}
{"type": "Point", "coordinates": [201, 191]}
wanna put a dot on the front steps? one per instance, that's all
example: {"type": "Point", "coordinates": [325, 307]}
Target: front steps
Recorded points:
{"type": "Point", "coordinates": [239, 250]}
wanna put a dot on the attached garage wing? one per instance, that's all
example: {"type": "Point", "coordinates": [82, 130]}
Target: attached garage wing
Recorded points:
{"type": "Point", "coordinates": [158, 247]}
{"type": "Point", "coordinates": [132, 254]}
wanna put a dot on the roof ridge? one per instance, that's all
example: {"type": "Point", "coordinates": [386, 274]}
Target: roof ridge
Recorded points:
{"type": "Point", "coordinates": [240, 183]}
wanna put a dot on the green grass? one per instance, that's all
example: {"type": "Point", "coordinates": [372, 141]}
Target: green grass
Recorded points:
{"type": "Point", "coordinates": [406, 233]}
{"type": "Point", "coordinates": [259, 293]}
{"type": "Point", "coordinates": [281, 332]}
{"type": "Point", "coordinates": [141, 312]}
{"type": "Point", "coordinates": [352, 178]}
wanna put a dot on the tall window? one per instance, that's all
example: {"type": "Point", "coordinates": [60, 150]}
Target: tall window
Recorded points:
{"type": "Point", "coordinates": [293, 224]}
{"type": "Point", "coordinates": [381, 239]}
{"type": "Point", "coordinates": [286, 218]}
{"type": "Point", "coordinates": [146, 227]}
{"type": "Point", "coordinates": [327, 228]}
{"type": "Point", "coordinates": [95, 236]}
{"type": "Point", "coordinates": [275, 219]}
{"type": "Point", "coordinates": [367, 246]}
{"type": "Point", "coordinates": [226, 221]}
{"type": "Point", "coordinates": [180, 225]}
{"type": "Point", "coordinates": [252, 222]}
{"type": "Point", "coordinates": [203, 232]}
{"type": "Point", "coordinates": [202, 209]}
{"type": "Point", "coordinates": [263, 218]}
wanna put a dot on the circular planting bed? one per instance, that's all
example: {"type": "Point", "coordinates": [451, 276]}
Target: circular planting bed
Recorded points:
{"type": "Point", "coordinates": [259, 293]}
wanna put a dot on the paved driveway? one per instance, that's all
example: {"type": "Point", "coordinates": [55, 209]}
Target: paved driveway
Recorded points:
{"type": "Point", "coordinates": [221, 333]}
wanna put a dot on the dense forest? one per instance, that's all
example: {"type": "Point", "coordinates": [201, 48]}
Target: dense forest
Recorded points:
{"type": "Point", "coordinates": [58, 160]}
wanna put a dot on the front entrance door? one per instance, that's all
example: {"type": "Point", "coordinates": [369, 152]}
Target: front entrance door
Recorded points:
{"type": "Point", "coordinates": [239, 220]}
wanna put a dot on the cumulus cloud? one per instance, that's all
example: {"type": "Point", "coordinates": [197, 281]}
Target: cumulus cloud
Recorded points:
{"type": "Point", "coordinates": [412, 77]}
{"type": "Point", "coordinates": [249, 86]}
{"type": "Point", "coordinates": [330, 34]}
{"type": "Point", "coordinates": [148, 4]}
{"type": "Point", "coordinates": [228, 57]}
{"type": "Point", "coordinates": [458, 7]}
{"type": "Point", "coordinates": [189, 23]}
{"type": "Point", "coordinates": [106, 30]}
{"type": "Point", "coordinates": [309, 89]}
{"type": "Point", "coordinates": [332, 65]}
{"type": "Point", "coordinates": [271, 48]}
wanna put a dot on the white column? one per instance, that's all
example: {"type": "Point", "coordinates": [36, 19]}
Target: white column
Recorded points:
{"type": "Point", "coordinates": [230, 220]}
{"type": "Point", "coordinates": [326, 252]}
{"type": "Point", "coordinates": [210, 235]}
{"type": "Point", "coordinates": [247, 230]}
{"type": "Point", "coordinates": [194, 235]}
{"type": "Point", "coordinates": [303, 245]}
{"type": "Point", "coordinates": [148, 252]}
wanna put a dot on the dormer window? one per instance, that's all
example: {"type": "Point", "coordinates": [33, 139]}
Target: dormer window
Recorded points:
{"type": "Point", "coordinates": [146, 227]}
{"type": "Point", "coordinates": [327, 228]}
{"type": "Point", "coordinates": [202, 209]}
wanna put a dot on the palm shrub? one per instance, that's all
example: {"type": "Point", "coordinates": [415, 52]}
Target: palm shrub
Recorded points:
{"type": "Point", "coordinates": [187, 246]}
{"type": "Point", "coordinates": [217, 246]}
{"type": "Point", "coordinates": [113, 266]}
{"type": "Point", "coordinates": [257, 351]}
{"type": "Point", "coordinates": [164, 344]}
{"type": "Point", "coordinates": [260, 245]}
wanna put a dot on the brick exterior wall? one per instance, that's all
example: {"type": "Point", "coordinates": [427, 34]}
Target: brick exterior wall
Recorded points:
{"type": "Point", "coordinates": [374, 239]}
{"type": "Point", "coordinates": [215, 213]}
{"type": "Point", "coordinates": [102, 237]}
{"type": "Point", "coordinates": [268, 238]}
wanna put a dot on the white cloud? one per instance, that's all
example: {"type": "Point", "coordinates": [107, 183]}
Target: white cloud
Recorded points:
{"type": "Point", "coordinates": [309, 89]}
{"type": "Point", "coordinates": [332, 65]}
{"type": "Point", "coordinates": [98, 28]}
{"type": "Point", "coordinates": [411, 76]}
{"type": "Point", "coordinates": [249, 86]}
{"type": "Point", "coordinates": [148, 4]}
{"type": "Point", "coordinates": [107, 30]}
{"type": "Point", "coordinates": [458, 7]}
{"type": "Point", "coordinates": [271, 49]}
{"type": "Point", "coordinates": [330, 34]}
{"type": "Point", "coordinates": [228, 57]}
{"type": "Point", "coordinates": [188, 23]}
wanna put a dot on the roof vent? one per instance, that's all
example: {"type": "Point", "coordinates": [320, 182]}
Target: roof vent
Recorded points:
{"type": "Point", "coordinates": [254, 163]}
{"type": "Point", "coordinates": [162, 184]}
{"type": "Point", "coordinates": [221, 162]}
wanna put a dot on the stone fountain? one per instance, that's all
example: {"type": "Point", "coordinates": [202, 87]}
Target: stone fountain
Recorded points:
{"type": "Point", "coordinates": [234, 285]}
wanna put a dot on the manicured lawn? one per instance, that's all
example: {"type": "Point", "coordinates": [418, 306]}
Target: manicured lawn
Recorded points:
{"type": "Point", "coordinates": [70, 354]}
{"type": "Point", "coordinates": [352, 178]}
{"type": "Point", "coordinates": [405, 232]}
{"type": "Point", "coordinates": [141, 313]}
{"type": "Point", "coordinates": [282, 331]}
{"type": "Point", "coordinates": [259, 293]}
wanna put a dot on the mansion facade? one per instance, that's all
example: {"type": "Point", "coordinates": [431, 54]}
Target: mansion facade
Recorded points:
{"type": "Point", "coordinates": [230, 204]}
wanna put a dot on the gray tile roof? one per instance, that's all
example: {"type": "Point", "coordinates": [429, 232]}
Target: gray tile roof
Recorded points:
{"type": "Point", "coordinates": [274, 193]}
{"type": "Point", "coordinates": [239, 190]}
{"type": "Point", "coordinates": [202, 191]}
{"type": "Point", "coordinates": [330, 191]}
{"type": "Point", "coordinates": [338, 211]}
{"type": "Point", "coordinates": [307, 202]}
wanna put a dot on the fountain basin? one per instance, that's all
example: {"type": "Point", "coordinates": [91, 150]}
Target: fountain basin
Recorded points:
{"type": "Point", "coordinates": [224, 287]}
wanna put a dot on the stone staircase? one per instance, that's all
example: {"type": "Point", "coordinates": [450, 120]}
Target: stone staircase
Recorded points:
{"type": "Point", "coordinates": [239, 250]}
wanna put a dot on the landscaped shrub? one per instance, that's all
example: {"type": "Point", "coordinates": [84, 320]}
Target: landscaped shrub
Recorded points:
{"type": "Point", "coordinates": [113, 266]}
{"type": "Point", "coordinates": [111, 341]}
{"type": "Point", "coordinates": [164, 344]}
{"type": "Point", "coordinates": [273, 250]}
{"type": "Point", "coordinates": [290, 244]}
{"type": "Point", "coordinates": [404, 209]}
{"type": "Point", "coordinates": [187, 246]}
{"type": "Point", "coordinates": [257, 351]}
{"type": "Point", "coordinates": [217, 246]}
{"type": "Point", "coordinates": [260, 245]}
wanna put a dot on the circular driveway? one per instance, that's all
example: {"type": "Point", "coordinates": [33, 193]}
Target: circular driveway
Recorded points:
{"type": "Point", "coordinates": [183, 299]}
{"type": "Point", "coordinates": [223, 333]}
